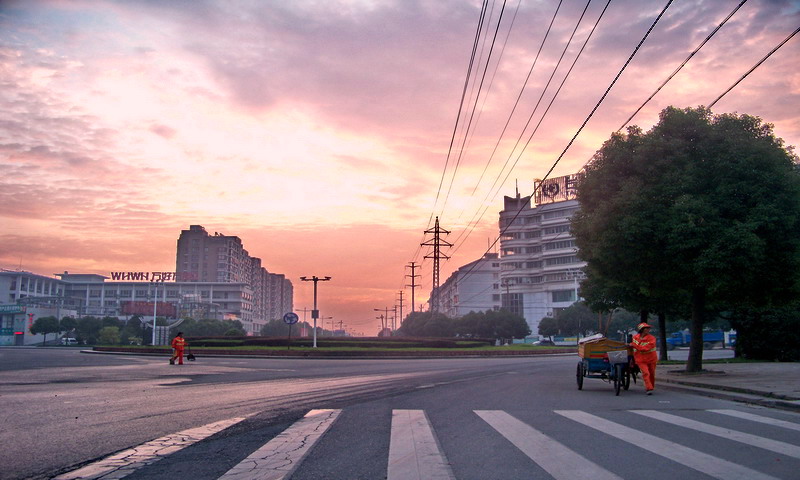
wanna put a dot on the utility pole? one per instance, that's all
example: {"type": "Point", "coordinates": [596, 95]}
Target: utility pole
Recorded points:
{"type": "Point", "coordinates": [437, 242]}
{"type": "Point", "coordinates": [315, 312]}
{"type": "Point", "coordinates": [401, 308]}
{"type": "Point", "coordinates": [413, 266]}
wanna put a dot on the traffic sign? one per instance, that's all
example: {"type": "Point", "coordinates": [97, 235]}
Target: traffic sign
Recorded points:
{"type": "Point", "coordinates": [291, 318]}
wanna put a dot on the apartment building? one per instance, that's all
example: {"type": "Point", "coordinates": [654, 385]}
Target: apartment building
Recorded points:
{"type": "Point", "coordinates": [202, 257]}
{"type": "Point", "coordinates": [474, 287]}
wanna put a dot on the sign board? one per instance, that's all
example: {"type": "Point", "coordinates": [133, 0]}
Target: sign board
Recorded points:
{"type": "Point", "coordinates": [558, 189]}
{"type": "Point", "coordinates": [12, 309]}
{"type": "Point", "coordinates": [291, 318]}
{"type": "Point", "coordinates": [6, 331]}
{"type": "Point", "coordinates": [314, 314]}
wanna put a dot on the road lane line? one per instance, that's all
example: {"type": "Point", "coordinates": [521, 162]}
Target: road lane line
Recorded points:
{"type": "Point", "coordinates": [281, 456]}
{"type": "Point", "coordinates": [702, 462]}
{"type": "Point", "coordinates": [555, 458]}
{"type": "Point", "coordinates": [414, 452]}
{"type": "Point", "coordinates": [758, 418]}
{"type": "Point", "coordinates": [124, 463]}
{"type": "Point", "coordinates": [734, 435]}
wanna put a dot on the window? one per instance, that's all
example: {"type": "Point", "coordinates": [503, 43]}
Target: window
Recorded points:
{"type": "Point", "coordinates": [559, 245]}
{"type": "Point", "coordinates": [561, 260]}
{"type": "Point", "coordinates": [556, 229]}
{"type": "Point", "coordinates": [563, 295]}
{"type": "Point", "coordinates": [559, 213]}
{"type": "Point", "coordinates": [94, 293]}
{"type": "Point", "coordinates": [533, 234]}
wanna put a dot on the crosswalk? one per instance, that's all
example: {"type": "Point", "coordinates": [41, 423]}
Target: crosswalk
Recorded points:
{"type": "Point", "coordinates": [416, 453]}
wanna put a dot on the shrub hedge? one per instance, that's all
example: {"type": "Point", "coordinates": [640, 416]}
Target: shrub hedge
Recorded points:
{"type": "Point", "coordinates": [349, 342]}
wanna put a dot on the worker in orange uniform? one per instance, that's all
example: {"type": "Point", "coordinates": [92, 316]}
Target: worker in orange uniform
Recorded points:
{"type": "Point", "coordinates": [178, 343]}
{"type": "Point", "coordinates": [645, 355]}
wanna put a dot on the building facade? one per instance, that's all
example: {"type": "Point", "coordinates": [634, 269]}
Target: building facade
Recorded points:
{"type": "Point", "coordinates": [474, 287]}
{"type": "Point", "coordinates": [539, 268]}
{"type": "Point", "coordinates": [202, 257]}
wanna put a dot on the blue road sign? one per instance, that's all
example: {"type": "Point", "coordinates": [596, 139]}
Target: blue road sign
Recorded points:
{"type": "Point", "coordinates": [291, 318]}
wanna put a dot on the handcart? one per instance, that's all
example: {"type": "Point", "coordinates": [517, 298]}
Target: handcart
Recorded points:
{"type": "Point", "coordinates": [605, 359]}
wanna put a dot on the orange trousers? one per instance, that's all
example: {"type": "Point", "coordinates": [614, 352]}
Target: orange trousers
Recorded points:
{"type": "Point", "coordinates": [179, 355]}
{"type": "Point", "coordinates": [648, 374]}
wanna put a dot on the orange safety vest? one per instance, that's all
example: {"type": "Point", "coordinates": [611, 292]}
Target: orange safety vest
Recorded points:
{"type": "Point", "coordinates": [644, 348]}
{"type": "Point", "coordinates": [178, 343]}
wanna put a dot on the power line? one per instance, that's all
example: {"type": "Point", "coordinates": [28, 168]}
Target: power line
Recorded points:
{"type": "Point", "coordinates": [754, 67]}
{"type": "Point", "coordinates": [474, 222]}
{"type": "Point", "coordinates": [460, 105]}
{"type": "Point", "coordinates": [474, 107]}
{"type": "Point", "coordinates": [580, 129]}
{"type": "Point", "coordinates": [685, 61]}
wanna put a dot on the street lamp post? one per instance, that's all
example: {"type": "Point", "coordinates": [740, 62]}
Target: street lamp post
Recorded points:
{"type": "Point", "coordinates": [384, 317]}
{"type": "Point", "coordinates": [155, 309]}
{"type": "Point", "coordinates": [315, 312]}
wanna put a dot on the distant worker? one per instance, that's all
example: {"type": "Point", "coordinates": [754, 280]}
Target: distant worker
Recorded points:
{"type": "Point", "coordinates": [645, 355]}
{"type": "Point", "coordinates": [178, 343]}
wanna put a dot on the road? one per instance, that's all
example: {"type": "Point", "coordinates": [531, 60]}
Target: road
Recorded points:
{"type": "Point", "coordinates": [470, 418]}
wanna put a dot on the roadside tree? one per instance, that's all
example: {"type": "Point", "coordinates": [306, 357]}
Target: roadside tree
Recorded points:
{"type": "Point", "coordinates": [109, 336]}
{"type": "Point", "coordinates": [701, 213]}
{"type": "Point", "coordinates": [68, 324]}
{"type": "Point", "coordinates": [45, 325]}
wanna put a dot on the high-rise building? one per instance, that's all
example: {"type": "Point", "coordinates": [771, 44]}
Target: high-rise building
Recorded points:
{"type": "Point", "coordinates": [539, 267]}
{"type": "Point", "coordinates": [202, 257]}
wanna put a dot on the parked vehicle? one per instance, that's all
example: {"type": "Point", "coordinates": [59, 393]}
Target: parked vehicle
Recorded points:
{"type": "Point", "coordinates": [69, 341]}
{"type": "Point", "coordinates": [545, 343]}
{"type": "Point", "coordinates": [711, 340]}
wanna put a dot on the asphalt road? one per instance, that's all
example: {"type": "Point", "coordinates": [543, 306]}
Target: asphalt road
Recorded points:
{"type": "Point", "coordinates": [63, 409]}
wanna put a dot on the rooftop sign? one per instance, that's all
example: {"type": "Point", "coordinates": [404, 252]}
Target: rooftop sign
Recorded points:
{"type": "Point", "coordinates": [558, 189]}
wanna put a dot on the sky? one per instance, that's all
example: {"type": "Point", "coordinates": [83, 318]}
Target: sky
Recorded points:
{"type": "Point", "coordinates": [327, 135]}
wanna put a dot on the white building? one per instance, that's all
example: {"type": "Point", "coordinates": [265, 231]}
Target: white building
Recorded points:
{"type": "Point", "coordinates": [475, 287]}
{"type": "Point", "coordinates": [540, 270]}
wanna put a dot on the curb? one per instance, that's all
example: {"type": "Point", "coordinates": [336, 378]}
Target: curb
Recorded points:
{"type": "Point", "coordinates": [333, 357]}
{"type": "Point", "coordinates": [726, 394]}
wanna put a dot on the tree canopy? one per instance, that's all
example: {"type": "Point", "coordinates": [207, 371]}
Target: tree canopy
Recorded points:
{"type": "Point", "coordinates": [45, 325]}
{"type": "Point", "coordinates": [700, 214]}
{"type": "Point", "coordinates": [500, 324]}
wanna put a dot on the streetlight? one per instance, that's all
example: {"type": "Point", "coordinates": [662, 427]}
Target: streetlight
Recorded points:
{"type": "Point", "coordinates": [315, 312]}
{"type": "Point", "coordinates": [155, 309]}
{"type": "Point", "coordinates": [383, 317]}
{"type": "Point", "coordinates": [323, 323]}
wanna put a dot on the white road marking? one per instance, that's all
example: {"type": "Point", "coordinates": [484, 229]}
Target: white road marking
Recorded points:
{"type": "Point", "coordinates": [734, 435]}
{"type": "Point", "coordinates": [758, 418]}
{"type": "Point", "coordinates": [555, 458]}
{"type": "Point", "coordinates": [124, 463]}
{"type": "Point", "coordinates": [281, 456]}
{"type": "Point", "coordinates": [414, 452]}
{"type": "Point", "coordinates": [708, 464]}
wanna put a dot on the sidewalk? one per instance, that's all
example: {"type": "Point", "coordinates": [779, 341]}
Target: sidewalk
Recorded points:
{"type": "Point", "coordinates": [769, 384]}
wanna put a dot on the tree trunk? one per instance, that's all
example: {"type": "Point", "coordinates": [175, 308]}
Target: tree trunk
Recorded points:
{"type": "Point", "coordinates": [662, 335]}
{"type": "Point", "coordinates": [643, 315]}
{"type": "Point", "coordinates": [695, 361]}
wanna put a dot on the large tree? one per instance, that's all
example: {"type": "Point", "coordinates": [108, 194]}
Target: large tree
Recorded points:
{"type": "Point", "coordinates": [700, 213]}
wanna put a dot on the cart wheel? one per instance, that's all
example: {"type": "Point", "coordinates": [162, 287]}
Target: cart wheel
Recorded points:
{"type": "Point", "coordinates": [618, 381]}
{"type": "Point", "coordinates": [626, 377]}
{"type": "Point", "coordinates": [579, 375]}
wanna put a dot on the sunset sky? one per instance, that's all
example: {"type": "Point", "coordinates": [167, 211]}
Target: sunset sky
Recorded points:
{"type": "Point", "coordinates": [318, 131]}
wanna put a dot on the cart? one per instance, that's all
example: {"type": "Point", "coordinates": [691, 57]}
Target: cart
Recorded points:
{"type": "Point", "coordinates": [608, 360]}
